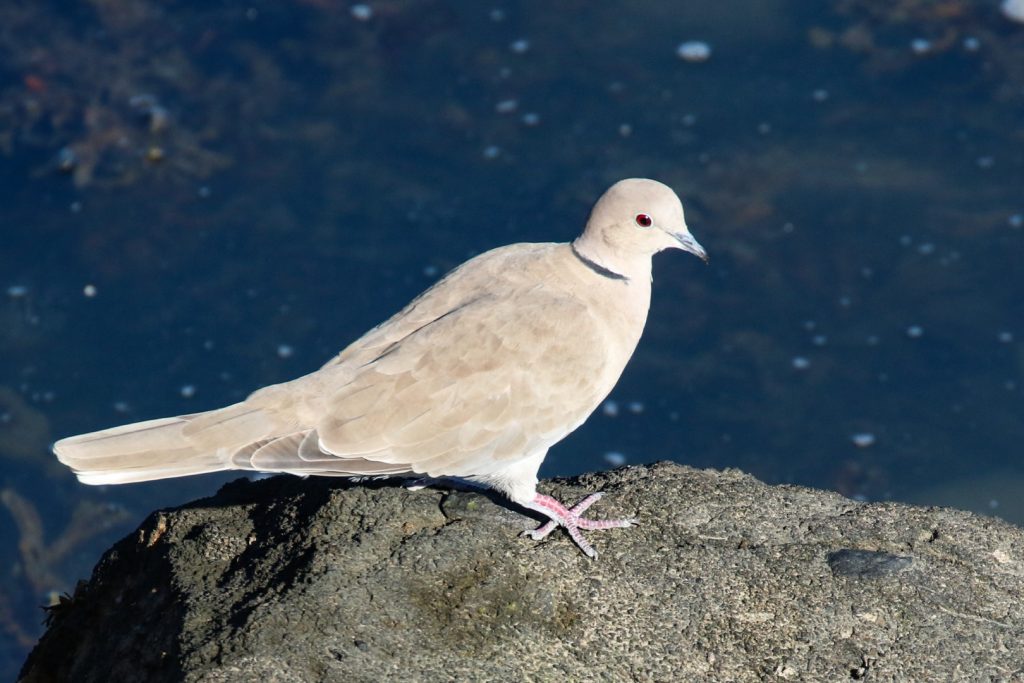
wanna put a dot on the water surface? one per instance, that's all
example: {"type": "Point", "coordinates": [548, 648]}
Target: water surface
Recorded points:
{"type": "Point", "coordinates": [204, 198]}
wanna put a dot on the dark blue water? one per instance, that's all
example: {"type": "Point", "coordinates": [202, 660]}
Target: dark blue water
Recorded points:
{"type": "Point", "coordinates": [247, 188]}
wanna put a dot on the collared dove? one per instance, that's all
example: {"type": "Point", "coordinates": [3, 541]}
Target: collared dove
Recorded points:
{"type": "Point", "coordinates": [475, 379]}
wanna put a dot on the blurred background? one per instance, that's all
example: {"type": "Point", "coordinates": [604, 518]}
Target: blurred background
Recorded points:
{"type": "Point", "coordinates": [201, 198]}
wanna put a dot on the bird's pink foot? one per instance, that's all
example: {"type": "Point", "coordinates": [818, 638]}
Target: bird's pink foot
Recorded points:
{"type": "Point", "coordinates": [571, 521]}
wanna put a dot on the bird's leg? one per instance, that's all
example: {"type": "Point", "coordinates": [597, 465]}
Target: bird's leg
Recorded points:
{"type": "Point", "coordinates": [569, 518]}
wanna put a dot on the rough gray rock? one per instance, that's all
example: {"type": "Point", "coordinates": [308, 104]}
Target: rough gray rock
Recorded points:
{"type": "Point", "coordinates": [727, 579]}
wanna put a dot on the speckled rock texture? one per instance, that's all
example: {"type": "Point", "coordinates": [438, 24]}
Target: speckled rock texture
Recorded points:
{"type": "Point", "coordinates": [726, 579]}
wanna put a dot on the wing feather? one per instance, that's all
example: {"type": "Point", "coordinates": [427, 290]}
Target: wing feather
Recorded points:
{"type": "Point", "coordinates": [505, 389]}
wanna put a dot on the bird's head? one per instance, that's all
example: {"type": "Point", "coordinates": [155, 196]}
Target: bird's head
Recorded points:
{"type": "Point", "coordinates": [637, 217]}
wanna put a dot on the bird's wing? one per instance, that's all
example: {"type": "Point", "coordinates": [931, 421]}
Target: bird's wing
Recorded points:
{"type": "Point", "coordinates": [474, 385]}
{"type": "Point", "coordinates": [490, 383]}
{"type": "Point", "coordinates": [482, 276]}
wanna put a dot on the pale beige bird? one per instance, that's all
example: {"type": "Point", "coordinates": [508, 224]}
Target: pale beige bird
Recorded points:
{"type": "Point", "coordinates": [475, 379]}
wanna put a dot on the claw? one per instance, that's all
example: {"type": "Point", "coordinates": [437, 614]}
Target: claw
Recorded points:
{"type": "Point", "coordinates": [571, 521]}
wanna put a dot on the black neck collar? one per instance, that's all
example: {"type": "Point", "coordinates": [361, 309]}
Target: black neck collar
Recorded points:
{"type": "Point", "coordinates": [598, 268]}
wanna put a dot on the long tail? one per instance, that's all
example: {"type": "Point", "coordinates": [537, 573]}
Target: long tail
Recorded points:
{"type": "Point", "coordinates": [168, 447]}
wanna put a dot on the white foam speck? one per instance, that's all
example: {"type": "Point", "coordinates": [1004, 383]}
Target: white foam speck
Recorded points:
{"type": "Point", "coordinates": [361, 12]}
{"type": "Point", "coordinates": [614, 458]}
{"type": "Point", "coordinates": [1013, 10]}
{"type": "Point", "coordinates": [863, 439]}
{"type": "Point", "coordinates": [694, 51]}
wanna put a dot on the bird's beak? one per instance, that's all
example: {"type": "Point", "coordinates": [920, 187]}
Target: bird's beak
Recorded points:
{"type": "Point", "coordinates": [688, 243]}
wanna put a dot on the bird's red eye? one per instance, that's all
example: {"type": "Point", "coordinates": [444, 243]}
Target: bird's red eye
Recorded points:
{"type": "Point", "coordinates": [643, 220]}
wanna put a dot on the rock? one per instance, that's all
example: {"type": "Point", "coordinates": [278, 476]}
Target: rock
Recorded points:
{"type": "Point", "coordinates": [727, 578]}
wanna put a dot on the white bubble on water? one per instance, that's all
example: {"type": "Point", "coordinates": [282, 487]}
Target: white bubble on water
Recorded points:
{"type": "Point", "coordinates": [531, 119]}
{"type": "Point", "coordinates": [863, 439]}
{"type": "Point", "coordinates": [1013, 10]}
{"type": "Point", "coordinates": [361, 12]}
{"type": "Point", "coordinates": [693, 51]}
{"type": "Point", "coordinates": [187, 391]}
{"type": "Point", "coordinates": [1005, 337]}
{"type": "Point", "coordinates": [285, 351]}
{"type": "Point", "coordinates": [801, 363]}
{"type": "Point", "coordinates": [915, 331]}
{"type": "Point", "coordinates": [615, 459]}
{"type": "Point", "coordinates": [89, 291]}
{"type": "Point", "coordinates": [520, 46]}
{"type": "Point", "coordinates": [920, 46]}
{"type": "Point", "coordinates": [635, 407]}
{"type": "Point", "coordinates": [610, 408]}
{"type": "Point", "coordinates": [506, 106]}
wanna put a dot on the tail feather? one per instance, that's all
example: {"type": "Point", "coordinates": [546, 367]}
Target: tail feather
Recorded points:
{"type": "Point", "coordinates": [201, 465]}
{"type": "Point", "coordinates": [124, 440]}
{"type": "Point", "coordinates": [236, 424]}
{"type": "Point", "coordinates": [164, 448]}
{"type": "Point", "coordinates": [239, 437]}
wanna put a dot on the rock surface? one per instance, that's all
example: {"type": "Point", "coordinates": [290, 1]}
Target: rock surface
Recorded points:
{"type": "Point", "coordinates": [726, 579]}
